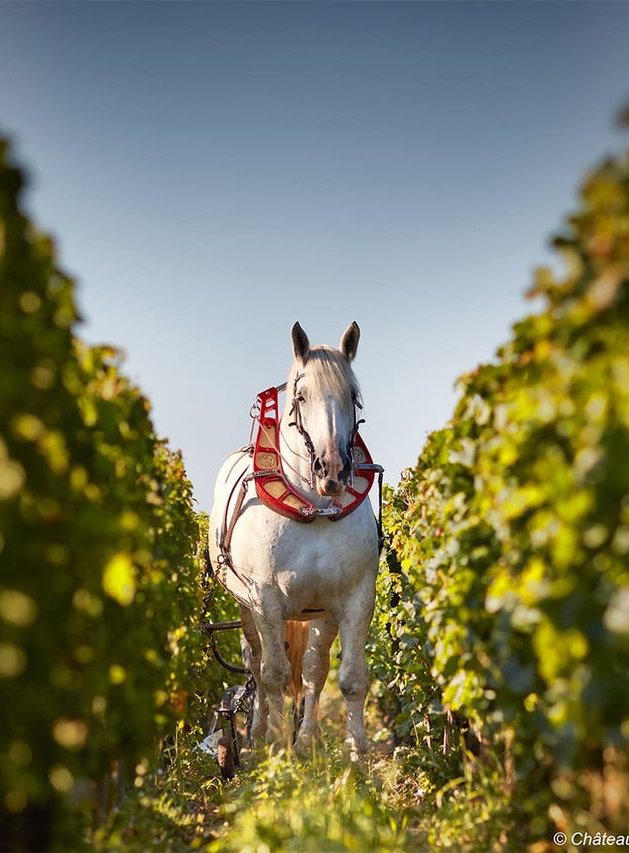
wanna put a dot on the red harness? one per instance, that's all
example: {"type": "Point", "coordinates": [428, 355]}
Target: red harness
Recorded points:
{"type": "Point", "coordinates": [272, 485]}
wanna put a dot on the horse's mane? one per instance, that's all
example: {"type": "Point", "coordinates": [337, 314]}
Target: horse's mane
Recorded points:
{"type": "Point", "coordinates": [329, 371]}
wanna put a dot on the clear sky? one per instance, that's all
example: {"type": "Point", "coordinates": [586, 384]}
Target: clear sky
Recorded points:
{"type": "Point", "coordinates": [215, 171]}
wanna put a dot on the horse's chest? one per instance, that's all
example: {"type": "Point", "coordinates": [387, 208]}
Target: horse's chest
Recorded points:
{"type": "Point", "coordinates": [307, 563]}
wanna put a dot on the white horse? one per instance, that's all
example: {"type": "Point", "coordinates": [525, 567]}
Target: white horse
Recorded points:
{"type": "Point", "coordinates": [283, 572]}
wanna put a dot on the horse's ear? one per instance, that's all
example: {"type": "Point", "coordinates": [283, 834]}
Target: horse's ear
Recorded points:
{"type": "Point", "coordinates": [349, 341]}
{"type": "Point", "coordinates": [301, 344]}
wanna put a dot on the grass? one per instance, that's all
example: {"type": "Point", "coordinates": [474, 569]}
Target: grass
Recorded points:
{"type": "Point", "coordinates": [401, 799]}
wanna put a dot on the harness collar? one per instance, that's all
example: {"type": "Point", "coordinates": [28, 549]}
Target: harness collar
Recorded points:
{"type": "Point", "coordinates": [272, 485]}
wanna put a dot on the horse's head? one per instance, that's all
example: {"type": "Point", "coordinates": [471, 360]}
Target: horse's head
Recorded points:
{"type": "Point", "coordinates": [324, 395]}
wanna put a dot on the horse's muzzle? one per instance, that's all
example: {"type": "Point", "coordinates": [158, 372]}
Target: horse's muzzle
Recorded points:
{"type": "Point", "coordinates": [329, 488]}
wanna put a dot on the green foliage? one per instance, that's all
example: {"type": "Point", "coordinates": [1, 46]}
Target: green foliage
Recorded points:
{"type": "Point", "coordinates": [100, 592]}
{"type": "Point", "coordinates": [279, 803]}
{"type": "Point", "coordinates": [173, 810]}
{"type": "Point", "coordinates": [513, 532]}
{"type": "Point", "coordinates": [323, 805]}
{"type": "Point", "coordinates": [408, 697]}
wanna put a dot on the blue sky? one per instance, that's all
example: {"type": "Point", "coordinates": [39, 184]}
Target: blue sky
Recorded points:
{"type": "Point", "coordinates": [214, 171]}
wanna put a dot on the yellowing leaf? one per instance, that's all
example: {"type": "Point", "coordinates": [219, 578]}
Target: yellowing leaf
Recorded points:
{"type": "Point", "coordinates": [12, 660]}
{"type": "Point", "coordinates": [70, 734]}
{"type": "Point", "coordinates": [30, 302]}
{"type": "Point", "coordinates": [117, 674]}
{"type": "Point", "coordinates": [499, 591]}
{"type": "Point", "coordinates": [11, 478]}
{"type": "Point", "coordinates": [61, 779]}
{"type": "Point", "coordinates": [17, 608]}
{"type": "Point", "coordinates": [54, 449]}
{"type": "Point", "coordinates": [27, 427]}
{"type": "Point", "coordinates": [119, 579]}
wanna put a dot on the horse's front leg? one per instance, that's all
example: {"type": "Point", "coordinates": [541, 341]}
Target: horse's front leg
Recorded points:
{"type": "Point", "coordinates": [316, 665]}
{"type": "Point", "coordinates": [353, 677]}
{"type": "Point", "coordinates": [275, 673]}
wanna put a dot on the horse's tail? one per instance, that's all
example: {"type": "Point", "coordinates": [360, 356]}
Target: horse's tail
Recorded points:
{"type": "Point", "coordinates": [296, 643]}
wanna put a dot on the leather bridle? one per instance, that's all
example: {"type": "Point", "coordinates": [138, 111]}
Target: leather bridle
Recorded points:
{"type": "Point", "coordinates": [298, 422]}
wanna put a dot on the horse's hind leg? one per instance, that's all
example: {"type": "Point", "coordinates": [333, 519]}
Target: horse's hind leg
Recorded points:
{"type": "Point", "coordinates": [316, 664]}
{"type": "Point", "coordinates": [260, 709]}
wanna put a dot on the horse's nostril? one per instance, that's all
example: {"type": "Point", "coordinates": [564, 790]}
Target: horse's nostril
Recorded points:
{"type": "Point", "coordinates": [331, 487]}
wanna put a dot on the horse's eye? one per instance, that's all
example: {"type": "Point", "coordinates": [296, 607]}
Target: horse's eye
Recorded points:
{"type": "Point", "coordinates": [300, 398]}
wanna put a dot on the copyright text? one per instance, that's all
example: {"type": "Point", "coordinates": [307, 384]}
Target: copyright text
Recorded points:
{"type": "Point", "coordinates": [585, 839]}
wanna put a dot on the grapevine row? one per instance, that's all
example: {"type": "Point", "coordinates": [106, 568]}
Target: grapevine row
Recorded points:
{"type": "Point", "coordinates": [100, 581]}
{"type": "Point", "coordinates": [510, 569]}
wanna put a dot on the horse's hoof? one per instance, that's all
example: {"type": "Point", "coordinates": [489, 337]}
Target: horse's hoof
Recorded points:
{"type": "Point", "coordinates": [307, 743]}
{"type": "Point", "coordinates": [358, 751]}
{"type": "Point", "coordinates": [359, 760]}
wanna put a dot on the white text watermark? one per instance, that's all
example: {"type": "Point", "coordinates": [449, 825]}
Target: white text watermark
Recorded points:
{"type": "Point", "coordinates": [587, 839]}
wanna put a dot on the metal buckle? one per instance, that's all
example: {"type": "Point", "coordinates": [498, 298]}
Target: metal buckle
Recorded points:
{"type": "Point", "coordinates": [369, 466]}
{"type": "Point", "coordinates": [316, 510]}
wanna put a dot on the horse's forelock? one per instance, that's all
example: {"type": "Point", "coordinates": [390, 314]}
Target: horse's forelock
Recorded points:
{"type": "Point", "coordinates": [329, 371]}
